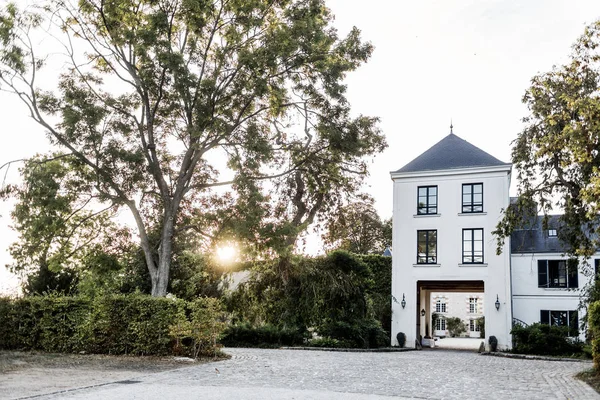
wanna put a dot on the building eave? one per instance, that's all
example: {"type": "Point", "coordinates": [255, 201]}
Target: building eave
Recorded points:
{"type": "Point", "coordinates": [453, 171]}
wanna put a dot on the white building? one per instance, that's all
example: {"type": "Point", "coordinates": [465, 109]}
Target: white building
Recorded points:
{"type": "Point", "coordinates": [446, 204]}
{"type": "Point", "coordinates": [468, 307]}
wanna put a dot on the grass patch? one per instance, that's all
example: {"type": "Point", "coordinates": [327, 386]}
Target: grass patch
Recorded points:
{"type": "Point", "coordinates": [591, 377]}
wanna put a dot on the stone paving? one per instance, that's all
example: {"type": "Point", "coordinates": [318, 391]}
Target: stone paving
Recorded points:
{"type": "Point", "coordinates": [297, 374]}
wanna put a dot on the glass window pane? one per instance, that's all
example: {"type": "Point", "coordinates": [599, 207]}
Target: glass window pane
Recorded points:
{"type": "Point", "coordinates": [478, 188]}
{"type": "Point", "coordinates": [478, 198]}
{"type": "Point", "coordinates": [478, 234]}
{"type": "Point", "coordinates": [466, 189]}
{"type": "Point", "coordinates": [467, 234]}
{"type": "Point", "coordinates": [477, 208]}
{"type": "Point", "coordinates": [422, 192]}
{"type": "Point", "coordinates": [433, 191]}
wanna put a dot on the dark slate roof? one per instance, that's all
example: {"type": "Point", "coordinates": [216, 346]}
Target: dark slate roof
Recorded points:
{"type": "Point", "coordinates": [449, 153]}
{"type": "Point", "coordinates": [534, 239]}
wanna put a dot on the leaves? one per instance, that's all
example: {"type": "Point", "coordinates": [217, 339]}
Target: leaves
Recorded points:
{"type": "Point", "coordinates": [557, 154]}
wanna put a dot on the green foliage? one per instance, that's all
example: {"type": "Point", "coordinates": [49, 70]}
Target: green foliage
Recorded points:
{"type": "Point", "coordinates": [117, 324]}
{"type": "Point", "coordinates": [543, 339]}
{"type": "Point", "coordinates": [455, 326]}
{"type": "Point", "coordinates": [328, 343]}
{"type": "Point", "coordinates": [493, 341]}
{"type": "Point", "coordinates": [357, 228]}
{"type": "Point", "coordinates": [335, 295]}
{"type": "Point", "coordinates": [556, 154]}
{"type": "Point", "coordinates": [401, 337]}
{"type": "Point", "coordinates": [255, 85]}
{"type": "Point", "coordinates": [245, 335]}
{"type": "Point", "coordinates": [594, 331]}
{"type": "Point", "coordinates": [481, 324]}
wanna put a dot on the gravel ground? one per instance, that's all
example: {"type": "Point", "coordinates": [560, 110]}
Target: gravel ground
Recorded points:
{"type": "Point", "coordinates": [26, 374]}
{"type": "Point", "coordinates": [319, 375]}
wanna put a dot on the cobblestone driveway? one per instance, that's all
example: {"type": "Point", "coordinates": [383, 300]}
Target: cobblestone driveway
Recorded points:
{"type": "Point", "coordinates": [295, 374]}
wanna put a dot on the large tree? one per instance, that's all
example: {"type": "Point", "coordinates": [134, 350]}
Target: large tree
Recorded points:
{"type": "Point", "coordinates": [156, 98]}
{"type": "Point", "coordinates": [357, 227]}
{"type": "Point", "coordinates": [557, 155]}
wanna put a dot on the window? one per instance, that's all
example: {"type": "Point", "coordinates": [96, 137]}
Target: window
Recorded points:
{"type": "Point", "coordinates": [472, 305]}
{"type": "Point", "coordinates": [472, 246]}
{"type": "Point", "coordinates": [440, 305]}
{"type": "Point", "coordinates": [440, 324]}
{"type": "Point", "coordinates": [561, 318]}
{"type": "Point", "coordinates": [472, 197]}
{"type": "Point", "coordinates": [557, 273]}
{"type": "Point", "coordinates": [474, 326]}
{"type": "Point", "coordinates": [427, 200]}
{"type": "Point", "coordinates": [552, 233]}
{"type": "Point", "coordinates": [426, 247]}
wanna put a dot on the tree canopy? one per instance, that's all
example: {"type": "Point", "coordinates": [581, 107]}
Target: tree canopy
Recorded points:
{"type": "Point", "coordinates": [557, 155]}
{"type": "Point", "coordinates": [162, 102]}
{"type": "Point", "coordinates": [356, 227]}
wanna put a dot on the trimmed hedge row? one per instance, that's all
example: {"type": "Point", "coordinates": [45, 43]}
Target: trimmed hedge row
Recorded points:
{"type": "Point", "coordinates": [116, 324]}
{"type": "Point", "coordinates": [594, 331]}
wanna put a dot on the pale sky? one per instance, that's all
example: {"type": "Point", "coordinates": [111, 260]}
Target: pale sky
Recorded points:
{"type": "Point", "coordinates": [434, 60]}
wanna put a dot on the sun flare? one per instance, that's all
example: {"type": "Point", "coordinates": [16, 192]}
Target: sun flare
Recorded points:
{"type": "Point", "coordinates": [226, 253]}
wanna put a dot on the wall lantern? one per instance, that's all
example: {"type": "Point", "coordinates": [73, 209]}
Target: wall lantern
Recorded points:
{"type": "Point", "coordinates": [497, 303]}
{"type": "Point", "coordinates": [423, 312]}
{"type": "Point", "coordinates": [403, 302]}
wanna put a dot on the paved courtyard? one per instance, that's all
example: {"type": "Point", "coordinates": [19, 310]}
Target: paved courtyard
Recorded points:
{"type": "Point", "coordinates": [298, 374]}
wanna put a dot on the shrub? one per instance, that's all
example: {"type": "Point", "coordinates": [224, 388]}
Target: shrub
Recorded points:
{"type": "Point", "coordinates": [245, 335]}
{"type": "Point", "coordinates": [493, 341]}
{"type": "Point", "coordinates": [365, 333]}
{"type": "Point", "coordinates": [455, 326]}
{"type": "Point", "coordinates": [117, 324]}
{"type": "Point", "coordinates": [543, 339]}
{"type": "Point", "coordinates": [594, 331]}
{"type": "Point", "coordinates": [328, 343]}
{"type": "Point", "coordinates": [401, 337]}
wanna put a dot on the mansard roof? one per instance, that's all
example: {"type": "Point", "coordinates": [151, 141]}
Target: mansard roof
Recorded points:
{"type": "Point", "coordinates": [451, 152]}
{"type": "Point", "coordinates": [532, 238]}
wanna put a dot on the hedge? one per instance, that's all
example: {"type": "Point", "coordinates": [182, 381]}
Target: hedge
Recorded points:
{"type": "Point", "coordinates": [594, 331]}
{"type": "Point", "coordinates": [117, 324]}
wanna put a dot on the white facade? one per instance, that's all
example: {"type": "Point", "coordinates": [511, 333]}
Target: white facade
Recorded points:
{"type": "Point", "coordinates": [443, 247]}
{"type": "Point", "coordinates": [531, 299]}
{"type": "Point", "coordinates": [466, 306]}
{"type": "Point", "coordinates": [449, 222]}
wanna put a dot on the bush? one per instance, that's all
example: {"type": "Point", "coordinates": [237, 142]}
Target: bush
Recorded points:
{"type": "Point", "coordinates": [328, 343]}
{"type": "Point", "coordinates": [117, 324]}
{"type": "Point", "coordinates": [455, 326]}
{"type": "Point", "coordinates": [401, 337]}
{"type": "Point", "coordinates": [269, 336]}
{"type": "Point", "coordinates": [365, 333]}
{"type": "Point", "coordinates": [594, 331]}
{"type": "Point", "coordinates": [543, 339]}
{"type": "Point", "coordinates": [493, 341]}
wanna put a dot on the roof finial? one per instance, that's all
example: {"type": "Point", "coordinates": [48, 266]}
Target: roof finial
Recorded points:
{"type": "Point", "coordinates": [451, 125]}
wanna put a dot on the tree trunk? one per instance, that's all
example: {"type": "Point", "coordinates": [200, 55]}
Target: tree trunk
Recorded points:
{"type": "Point", "coordinates": [160, 280]}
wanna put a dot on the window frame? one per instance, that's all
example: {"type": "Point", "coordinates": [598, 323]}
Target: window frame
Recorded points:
{"type": "Point", "coordinates": [472, 254]}
{"type": "Point", "coordinates": [572, 320]}
{"type": "Point", "coordinates": [549, 278]}
{"type": "Point", "coordinates": [428, 256]}
{"type": "Point", "coordinates": [427, 207]}
{"type": "Point", "coordinates": [469, 207]}
{"type": "Point", "coordinates": [473, 306]}
{"type": "Point", "coordinates": [441, 322]}
{"type": "Point", "coordinates": [552, 232]}
{"type": "Point", "coordinates": [474, 326]}
{"type": "Point", "coordinates": [442, 306]}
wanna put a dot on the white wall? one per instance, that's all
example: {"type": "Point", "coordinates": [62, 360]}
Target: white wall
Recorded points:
{"type": "Point", "coordinates": [457, 305]}
{"type": "Point", "coordinates": [529, 299]}
{"type": "Point", "coordinates": [449, 224]}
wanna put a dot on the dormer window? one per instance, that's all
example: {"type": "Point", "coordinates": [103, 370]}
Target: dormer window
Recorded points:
{"type": "Point", "coordinates": [552, 233]}
{"type": "Point", "coordinates": [472, 198]}
{"type": "Point", "coordinates": [427, 200]}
